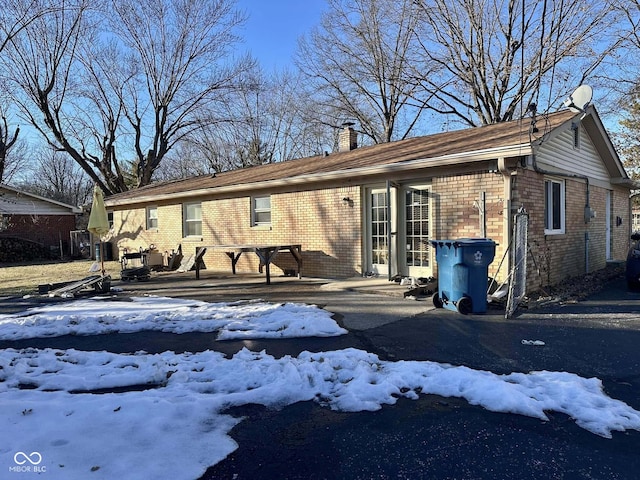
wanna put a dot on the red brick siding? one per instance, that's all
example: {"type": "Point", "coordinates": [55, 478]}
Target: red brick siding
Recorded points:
{"type": "Point", "coordinates": [48, 230]}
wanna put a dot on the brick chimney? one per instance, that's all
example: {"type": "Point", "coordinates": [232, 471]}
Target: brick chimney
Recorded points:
{"type": "Point", "coordinates": [348, 138]}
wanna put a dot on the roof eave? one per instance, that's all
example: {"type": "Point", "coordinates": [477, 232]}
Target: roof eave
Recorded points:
{"type": "Point", "coordinates": [72, 208]}
{"type": "Point", "coordinates": [441, 161]}
{"type": "Point", "coordinates": [626, 182]}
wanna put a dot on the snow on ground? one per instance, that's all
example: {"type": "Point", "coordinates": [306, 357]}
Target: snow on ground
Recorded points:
{"type": "Point", "coordinates": [61, 414]}
{"type": "Point", "coordinates": [237, 320]}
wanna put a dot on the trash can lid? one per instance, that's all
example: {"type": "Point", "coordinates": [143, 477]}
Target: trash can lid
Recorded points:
{"type": "Point", "coordinates": [465, 242]}
{"type": "Point", "coordinates": [474, 241]}
{"type": "Point", "coordinates": [441, 241]}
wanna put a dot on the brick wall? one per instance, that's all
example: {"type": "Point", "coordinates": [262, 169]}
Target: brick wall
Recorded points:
{"type": "Point", "coordinates": [456, 200]}
{"type": "Point", "coordinates": [621, 234]}
{"type": "Point", "coordinates": [327, 222]}
{"type": "Point", "coordinates": [130, 231]}
{"type": "Point", "coordinates": [328, 227]}
{"type": "Point", "coordinates": [558, 257]}
{"type": "Point", "coordinates": [47, 230]}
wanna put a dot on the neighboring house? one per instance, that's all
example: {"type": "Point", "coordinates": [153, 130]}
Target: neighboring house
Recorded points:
{"type": "Point", "coordinates": [635, 222]}
{"type": "Point", "coordinates": [36, 219]}
{"type": "Point", "coordinates": [373, 210]}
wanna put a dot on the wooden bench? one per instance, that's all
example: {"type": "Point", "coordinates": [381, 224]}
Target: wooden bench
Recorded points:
{"type": "Point", "coordinates": [266, 253]}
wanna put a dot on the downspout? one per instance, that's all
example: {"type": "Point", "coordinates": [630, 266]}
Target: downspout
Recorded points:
{"type": "Point", "coordinates": [587, 207]}
{"type": "Point", "coordinates": [508, 194]}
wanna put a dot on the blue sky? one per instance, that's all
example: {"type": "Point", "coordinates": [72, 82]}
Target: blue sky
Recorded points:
{"type": "Point", "coordinates": [273, 27]}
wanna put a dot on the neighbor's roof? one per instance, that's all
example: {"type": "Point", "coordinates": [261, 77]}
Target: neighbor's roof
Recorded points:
{"type": "Point", "coordinates": [461, 146]}
{"type": "Point", "coordinates": [15, 201]}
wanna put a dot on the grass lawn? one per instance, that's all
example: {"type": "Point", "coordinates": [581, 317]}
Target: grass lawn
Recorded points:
{"type": "Point", "coordinates": [24, 279]}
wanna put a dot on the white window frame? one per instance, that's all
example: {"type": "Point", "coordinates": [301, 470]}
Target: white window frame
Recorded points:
{"type": "Point", "coordinates": [260, 211]}
{"type": "Point", "coordinates": [550, 200]}
{"type": "Point", "coordinates": [187, 222]}
{"type": "Point", "coordinates": [110, 218]}
{"type": "Point", "coordinates": [149, 218]}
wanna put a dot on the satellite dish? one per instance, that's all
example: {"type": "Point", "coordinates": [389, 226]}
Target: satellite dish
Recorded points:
{"type": "Point", "coordinates": [580, 99]}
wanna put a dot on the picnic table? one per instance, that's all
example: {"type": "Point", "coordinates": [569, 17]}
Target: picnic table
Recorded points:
{"type": "Point", "coordinates": [266, 253]}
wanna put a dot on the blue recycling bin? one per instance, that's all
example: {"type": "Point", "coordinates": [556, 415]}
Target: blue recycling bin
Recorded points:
{"type": "Point", "coordinates": [463, 270]}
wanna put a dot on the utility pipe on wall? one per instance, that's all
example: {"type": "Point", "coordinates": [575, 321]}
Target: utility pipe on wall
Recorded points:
{"type": "Point", "coordinates": [506, 172]}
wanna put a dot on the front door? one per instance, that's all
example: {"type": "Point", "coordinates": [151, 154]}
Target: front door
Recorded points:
{"type": "Point", "coordinates": [415, 235]}
{"type": "Point", "coordinates": [378, 231]}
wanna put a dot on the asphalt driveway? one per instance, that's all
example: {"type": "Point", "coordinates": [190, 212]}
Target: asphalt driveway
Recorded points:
{"type": "Point", "coordinates": [440, 438]}
{"type": "Point", "coordinates": [429, 438]}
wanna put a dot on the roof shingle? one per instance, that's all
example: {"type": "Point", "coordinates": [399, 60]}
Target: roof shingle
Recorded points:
{"type": "Point", "coordinates": [476, 139]}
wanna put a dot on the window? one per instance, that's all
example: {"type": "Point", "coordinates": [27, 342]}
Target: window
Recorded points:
{"type": "Point", "coordinates": [152, 218]}
{"type": "Point", "coordinates": [110, 218]}
{"type": "Point", "coordinates": [553, 207]}
{"type": "Point", "coordinates": [379, 228]}
{"type": "Point", "coordinates": [635, 223]}
{"type": "Point", "coordinates": [192, 219]}
{"type": "Point", "coordinates": [261, 211]}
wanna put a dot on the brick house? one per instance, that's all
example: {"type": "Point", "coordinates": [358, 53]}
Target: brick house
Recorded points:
{"type": "Point", "coordinates": [37, 219]}
{"type": "Point", "coordinates": [373, 210]}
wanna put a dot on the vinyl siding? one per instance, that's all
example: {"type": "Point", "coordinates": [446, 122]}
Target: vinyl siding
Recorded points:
{"type": "Point", "coordinates": [581, 161]}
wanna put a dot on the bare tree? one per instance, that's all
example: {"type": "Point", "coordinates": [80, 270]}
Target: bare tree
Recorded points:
{"type": "Point", "coordinates": [630, 11]}
{"type": "Point", "coordinates": [495, 56]}
{"type": "Point", "coordinates": [117, 84]}
{"type": "Point", "coordinates": [294, 126]}
{"type": "Point", "coordinates": [358, 60]}
{"type": "Point", "coordinates": [16, 15]}
{"type": "Point", "coordinates": [626, 77]}
{"type": "Point", "coordinates": [187, 159]}
{"type": "Point", "coordinates": [56, 176]}
{"type": "Point", "coordinates": [266, 122]}
{"type": "Point", "coordinates": [269, 121]}
{"type": "Point", "coordinates": [44, 60]}
{"type": "Point", "coordinates": [627, 140]}
{"type": "Point", "coordinates": [7, 140]}
{"type": "Point", "coordinates": [179, 51]}
{"type": "Point", "coordinates": [17, 162]}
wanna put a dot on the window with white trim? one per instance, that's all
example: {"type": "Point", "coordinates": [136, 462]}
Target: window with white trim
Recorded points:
{"type": "Point", "coordinates": [192, 220]}
{"type": "Point", "coordinates": [261, 211]}
{"type": "Point", "coordinates": [554, 206]}
{"type": "Point", "coordinates": [152, 218]}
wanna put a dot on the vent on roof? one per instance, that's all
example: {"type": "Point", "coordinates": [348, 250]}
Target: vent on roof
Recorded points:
{"type": "Point", "coordinates": [348, 138]}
